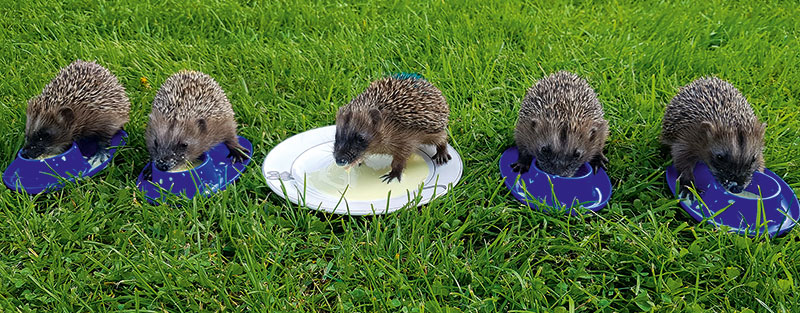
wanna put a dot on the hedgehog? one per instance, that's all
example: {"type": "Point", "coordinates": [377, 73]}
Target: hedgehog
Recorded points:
{"type": "Point", "coordinates": [394, 115]}
{"type": "Point", "coordinates": [561, 125]}
{"type": "Point", "coordinates": [84, 100]}
{"type": "Point", "coordinates": [710, 121]}
{"type": "Point", "coordinates": [190, 114]}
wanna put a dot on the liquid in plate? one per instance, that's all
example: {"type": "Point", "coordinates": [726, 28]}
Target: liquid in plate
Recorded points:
{"type": "Point", "coordinates": [45, 156]}
{"type": "Point", "coordinates": [744, 194]}
{"type": "Point", "coordinates": [365, 181]}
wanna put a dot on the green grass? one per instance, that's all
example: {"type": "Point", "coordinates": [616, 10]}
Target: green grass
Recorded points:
{"type": "Point", "coordinates": [287, 66]}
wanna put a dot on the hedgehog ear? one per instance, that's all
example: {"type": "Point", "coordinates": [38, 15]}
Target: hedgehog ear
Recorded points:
{"type": "Point", "coordinates": [708, 128]}
{"type": "Point", "coordinates": [375, 116]}
{"type": "Point", "coordinates": [592, 133]}
{"type": "Point", "coordinates": [344, 115]}
{"type": "Point", "coordinates": [534, 122]}
{"type": "Point", "coordinates": [66, 115]}
{"type": "Point", "coordinates": [201, 124]}
{"type": "Point", "coordinates": [763, 129]}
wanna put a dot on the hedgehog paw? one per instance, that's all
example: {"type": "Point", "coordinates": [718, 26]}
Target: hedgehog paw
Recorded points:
{"type": "Point", "coordinates": [147, 174]}
{"type": "Point", "coordinates": [441, 158]}
{"type": "Point", "coordinates": [238, 155]}
{"type": "Point", "coordinates": [685, 194]}
{"type": "Point", "coordinates": [598, 162]}
{"type": "Point", "coordinates": [389, 176]}
{"type": "Point", "coordinates": [520, 167]}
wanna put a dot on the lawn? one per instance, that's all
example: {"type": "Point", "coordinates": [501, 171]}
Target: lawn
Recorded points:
{"type": "Point", "coordinates": [287, 66]}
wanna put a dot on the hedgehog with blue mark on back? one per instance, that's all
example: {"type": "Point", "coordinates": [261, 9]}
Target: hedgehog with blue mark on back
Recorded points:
{"type": "Point", "coordinates": [394, 115]}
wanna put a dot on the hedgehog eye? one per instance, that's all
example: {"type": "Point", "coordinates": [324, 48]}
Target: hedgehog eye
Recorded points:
{"type": "Point", "coordinates": [183, 145]}
{"type": "Point", "coordinates": [545, 150]}
{"type": "Point", "coordinates": [720, 157]}
{"type": "Point", "coordinates": [577, 154]}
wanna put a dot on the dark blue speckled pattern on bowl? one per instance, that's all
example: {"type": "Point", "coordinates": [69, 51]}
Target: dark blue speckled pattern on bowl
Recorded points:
{"type": "Point", "coordinates": [38, 176]}
{"type": "Point", "coordinates": [585, 191]}
{"type": "Point", "coordinates": [780, 207]}
{"type": "Point", "coordinates": [215, 173]}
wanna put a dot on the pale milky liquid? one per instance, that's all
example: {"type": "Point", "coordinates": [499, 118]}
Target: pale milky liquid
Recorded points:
{"type": "Point", "coordinates": [747, 194]}
{"type": "Point", "coordinates": [42, 157]}
{"type": "Point", "coordinates": [186, 166]}
{"type": "Point", "coordinates": [365, 182]}
{"type": "Point", "coordinates": [743, 194]}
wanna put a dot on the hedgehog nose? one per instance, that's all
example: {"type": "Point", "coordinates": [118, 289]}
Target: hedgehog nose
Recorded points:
{"type": "Point", "coordinates": [737, 189]}
{"type": "Point", "coordinates": [341, 162]}
{"type": "Point", "coordinates": [162, 166]}
{"type": "Point", "coordinates": [28, 153]}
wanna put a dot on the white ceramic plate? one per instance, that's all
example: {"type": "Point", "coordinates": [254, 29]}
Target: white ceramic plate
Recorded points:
{"type": "Point", "coordinates": [288, 163]}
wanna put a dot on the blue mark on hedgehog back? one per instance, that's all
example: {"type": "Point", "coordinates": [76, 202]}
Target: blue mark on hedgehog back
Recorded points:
{"type": "Point", "coordinates": [413, 76]}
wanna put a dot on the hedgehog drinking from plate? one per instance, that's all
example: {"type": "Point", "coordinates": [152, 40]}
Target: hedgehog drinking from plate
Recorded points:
{"type": "Point", "coordinates": [394, 115]}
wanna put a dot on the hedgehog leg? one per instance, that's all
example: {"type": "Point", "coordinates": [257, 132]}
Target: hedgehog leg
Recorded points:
{"type": "Point", "coordinates": [236, 152]}
{"type": "Point", "coordinates": [147, 172]}
{"type": "Point", "coordinates": [684, 163]}
{"type": "Point", "coordinates": [399, 159]}
{"type": "Point", "coordinates": [598, 161]}
{"type": "Point", "coordinates": [523, 163]}
{"type": "Point", "coordinates": [441, 156]}
{"type": "Point", "coordinates": [103, 141]}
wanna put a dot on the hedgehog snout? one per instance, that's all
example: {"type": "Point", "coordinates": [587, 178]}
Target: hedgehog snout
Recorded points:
{"type": "Point", "coordinates": [343, 157]}
{"type": "Point", "coordinates": [31, 151]}
{"type": "Point", "coordinates": [558, 167]}
{"type": "Point", "coordinates": [735, 188]}
{"type": "Point", "coordinates": [165, 165]}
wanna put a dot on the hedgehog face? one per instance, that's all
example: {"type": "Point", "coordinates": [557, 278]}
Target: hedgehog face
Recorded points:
{"type": "Point", "coordinates": [355, 131]}
{"type": "Point", "coordinates": [734, 154]}
{"type": "Point", "coordinates": [47, 132]}
{"type": "Point", "coordinates": [172, 143]}
{"type": "Point", "coordinates": [559, 148]}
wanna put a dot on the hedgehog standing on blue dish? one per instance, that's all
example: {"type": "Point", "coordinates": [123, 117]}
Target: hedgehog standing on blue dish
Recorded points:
{"type": "Point", "coordinates": [191, 114]}
{"type": "Point", "coordinates": [560, 124]}
{"type": "Point", "coordinates": [394, 115]}
{"type": "Point", "coordinates": [710, 121]}
{"type": "Point", "coordinates": [84, 100]}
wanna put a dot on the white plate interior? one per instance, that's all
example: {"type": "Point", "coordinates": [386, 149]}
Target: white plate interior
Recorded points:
{"type": "Point", "coordinates": [286, 166]}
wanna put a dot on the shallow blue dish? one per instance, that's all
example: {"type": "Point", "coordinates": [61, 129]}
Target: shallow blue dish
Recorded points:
{"type": "Point", "coordinates": [215, 173]}
{"type": "Point", "coordinates": [584, 191]}
{"type": "Point", "coordinates": [41, 176]}
{"type": "Point", "coordinates": [779, 214]}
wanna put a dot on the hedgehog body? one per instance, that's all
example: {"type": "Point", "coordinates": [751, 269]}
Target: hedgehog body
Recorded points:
{"type": "Point", "coordinates": [394, 115]}
{"type": "Point", "coordinates": [84, 100]}
{"type": "Point", "coordinates": [190, 115]}
{"type": "Point", "coordinates": [561, 125]}
{"type": "Point", "coordinates": [710, 121]}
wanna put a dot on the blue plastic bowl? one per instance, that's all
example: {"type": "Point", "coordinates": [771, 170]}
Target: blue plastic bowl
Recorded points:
{"type": "Point", "coordinates": [37, 176]}
{"type": "Point", "coordinates": [584, 191]}
{"type": "Point", "coordinates": [780, 208]}
{"type": "Point", "coordinates": [215, 173]}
